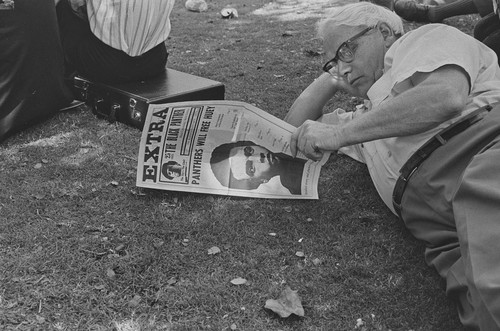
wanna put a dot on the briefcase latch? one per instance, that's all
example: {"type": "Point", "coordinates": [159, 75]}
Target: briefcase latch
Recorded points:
{"type": "Point", "coordinates": [135, 113]}
{"type": "Point", "coordinates": [115, 108]}
{"type": "Point", "coordinates": [101, 109]}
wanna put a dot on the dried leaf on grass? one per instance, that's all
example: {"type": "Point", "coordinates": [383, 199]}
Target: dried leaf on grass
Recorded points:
{"type": "Point", "coordinates": [238, 281]}
{"type": "Point", "coordinates": [39, 196]}
{"type": "Point", "coordinates": [119, 248]}
{"type": "Point", "coordinates": [213, 250]}
{"type": "Point", "coordinates": [158, 243]}
{"type": "Point", "coordinates": [289, 33]}
{"type": "Point", "coordinates": [110, 273]}
{"type": "Point", "coordinates": [300, 254]}
{"type": "Point", "coordinates": [135, 301]}
{"type": "Point", "coordinates": [288, 303]}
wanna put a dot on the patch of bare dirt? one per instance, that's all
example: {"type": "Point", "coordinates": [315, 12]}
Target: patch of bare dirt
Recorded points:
{"type": "Point", "coordinates": [290, 10]}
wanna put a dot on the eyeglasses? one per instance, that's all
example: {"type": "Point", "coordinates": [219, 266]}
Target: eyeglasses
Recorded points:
{"type": "Point", "coordinates": [344, 53]}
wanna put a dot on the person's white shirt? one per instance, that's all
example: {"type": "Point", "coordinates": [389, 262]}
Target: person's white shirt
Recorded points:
{"type": "Point", "coordinates": [132, 26]}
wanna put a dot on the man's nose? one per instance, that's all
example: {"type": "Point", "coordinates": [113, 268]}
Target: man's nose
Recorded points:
{"type": "Point", "coordinates": [344, 69]}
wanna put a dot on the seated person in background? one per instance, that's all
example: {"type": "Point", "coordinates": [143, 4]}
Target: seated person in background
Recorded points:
{"type": "Point", "coordinates": [31, 65]}
{"type": "Point", "coordinates": [446, 187]}
{"type": "Point", "coordinates": [412, 10]}
{"type": "Point", "coordinates": [115, 41]}
{"type": "Point", "coordinates": [486, 30]}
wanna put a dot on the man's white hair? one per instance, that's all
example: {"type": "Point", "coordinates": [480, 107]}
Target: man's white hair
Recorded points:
{"type": "Point", "coordinates": [357, 14]}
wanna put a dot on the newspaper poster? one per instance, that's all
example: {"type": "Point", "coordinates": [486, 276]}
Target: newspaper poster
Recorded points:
{"type": "Point", "coordinates": [225, 148]}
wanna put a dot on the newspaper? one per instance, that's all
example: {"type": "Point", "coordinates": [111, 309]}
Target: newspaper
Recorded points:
{"type": "Point", "coordinates": [225, 148]}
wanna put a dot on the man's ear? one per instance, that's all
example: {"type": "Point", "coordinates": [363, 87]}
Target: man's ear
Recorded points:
{"type": "Point", "coordinates": [387, 33]}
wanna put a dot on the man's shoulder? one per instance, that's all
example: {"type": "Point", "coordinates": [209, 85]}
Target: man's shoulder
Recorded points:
{"type": "Point", "coordinates": [429, 45]}
{"type": "Point", "coordinates": [436, 31]}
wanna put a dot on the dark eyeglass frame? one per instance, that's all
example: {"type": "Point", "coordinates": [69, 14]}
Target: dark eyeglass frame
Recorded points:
{"type": "Point", "coordinates": [333, 62]}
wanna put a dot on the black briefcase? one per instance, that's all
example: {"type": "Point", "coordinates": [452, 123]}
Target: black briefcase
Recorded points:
{"type": "Point", "coordinates": [128, 102]}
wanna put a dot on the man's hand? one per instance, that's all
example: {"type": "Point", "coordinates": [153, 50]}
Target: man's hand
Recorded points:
{"type": "Point", "coordinates": [314, 138]}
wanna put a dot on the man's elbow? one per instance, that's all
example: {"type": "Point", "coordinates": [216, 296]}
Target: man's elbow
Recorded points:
{"type": "Point", "coordinates": [452, 102]}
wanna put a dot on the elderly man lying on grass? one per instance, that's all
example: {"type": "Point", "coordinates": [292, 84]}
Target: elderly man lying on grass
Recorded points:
{"type": "Point", "coordinates": [429, 133]}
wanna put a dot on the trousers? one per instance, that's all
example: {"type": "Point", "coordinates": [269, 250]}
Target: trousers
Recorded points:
{"type": "Point", "coordinates": [452, 204]}
{"type": "Point", "coordinates": [88, 56]}
{"type": "Point", "coordinates": [31, 66]}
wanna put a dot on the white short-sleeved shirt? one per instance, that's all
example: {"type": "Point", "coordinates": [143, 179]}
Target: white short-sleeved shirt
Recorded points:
{"type": "Point", "coordinates": [133, 26]}
{"type": "Point", "coordinates": [422, 50]}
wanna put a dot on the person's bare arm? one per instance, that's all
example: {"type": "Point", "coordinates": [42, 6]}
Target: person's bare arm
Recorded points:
{"type": "Point", "coordinates": [434, 98]}
{"type": "Point", "coordinates": [310, 103]}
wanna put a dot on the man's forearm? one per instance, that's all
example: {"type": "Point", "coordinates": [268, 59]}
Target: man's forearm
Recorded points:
{"type": "Point", "coordinates": [407, 114]}
{"type": "Point", "coordinates": [309, 105]}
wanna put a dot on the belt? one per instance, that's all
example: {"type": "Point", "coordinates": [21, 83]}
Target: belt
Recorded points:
{"type": "Point", "coordinates": [430, 146]}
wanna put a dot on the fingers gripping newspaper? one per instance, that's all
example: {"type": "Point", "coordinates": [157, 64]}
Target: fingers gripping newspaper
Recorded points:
{"type": "Point", "coordinates": [225, 148]}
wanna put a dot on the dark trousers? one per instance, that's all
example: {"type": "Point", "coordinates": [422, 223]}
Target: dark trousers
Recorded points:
{"type": "Point", "coordinates": [95, 60]}
{"type": "Point", "coordinates": [31, 65]}
{"type": "Point", "coordinates": [487, 30]}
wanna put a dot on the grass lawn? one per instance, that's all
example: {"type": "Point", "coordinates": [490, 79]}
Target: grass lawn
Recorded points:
{"type": "Point", "coordinates": [81, 248]}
